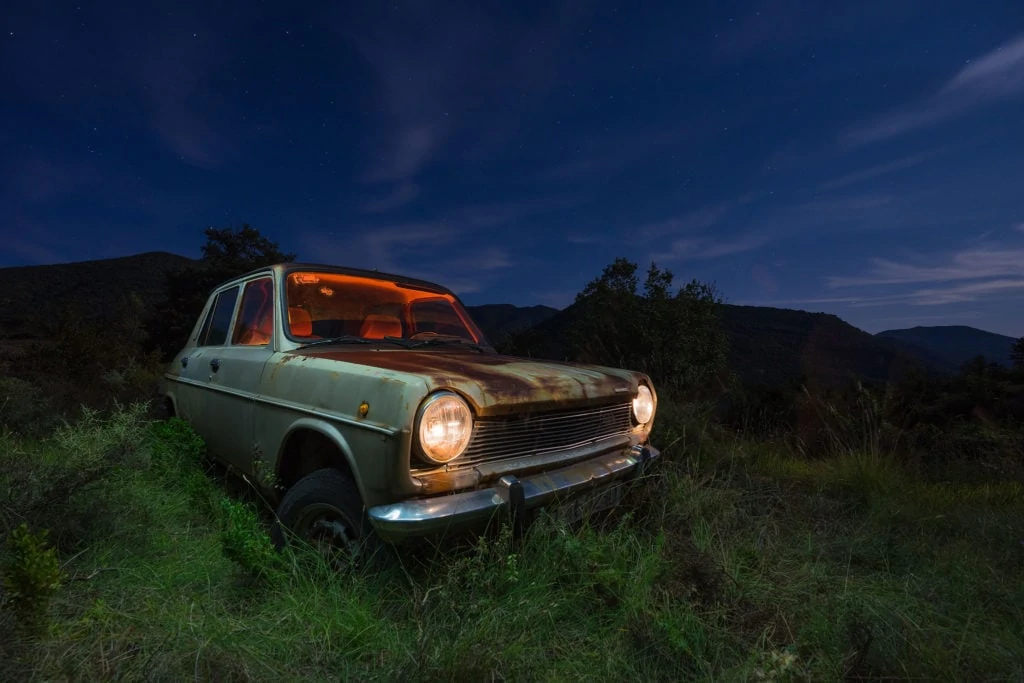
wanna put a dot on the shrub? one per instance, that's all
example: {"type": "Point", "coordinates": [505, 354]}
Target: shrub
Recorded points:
{"type": "Point", "coordinates": [31, 574]}
{"type": "Point", "coordinates": [24, 409]}
{"type": "Point", "coordinates": [74, 483]}
{"type": "Point", "coordinates": [244, 540]}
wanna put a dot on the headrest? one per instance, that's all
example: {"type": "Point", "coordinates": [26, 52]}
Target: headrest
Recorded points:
{"type": "Point", "coordinates": [300, 322]}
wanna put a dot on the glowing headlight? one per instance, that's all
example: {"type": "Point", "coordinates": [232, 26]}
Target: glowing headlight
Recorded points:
{"type": "Point", "coordinates": [445, 426]}
{"type": "Point", "coordinates": [643, 405]}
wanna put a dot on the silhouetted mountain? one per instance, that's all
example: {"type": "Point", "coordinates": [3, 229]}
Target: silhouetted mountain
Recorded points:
{"type": "Point", "coordinates": [771, 346]}
{"type": "Point", "coordinates": [774, 346]}
{"type": "Point", "coordinates": [956, 344]}
{"type": "Point", "coordinates": [96, 286]}
{"type": "Point", "coordinates": [768, 346]}
{"type": "Point", "coordinates": [927, 357]}
{"type": "Point", "coordinates": [497, 321]}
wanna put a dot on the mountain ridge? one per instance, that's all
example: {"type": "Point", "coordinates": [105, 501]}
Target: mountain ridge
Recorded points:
{"type": "Point", "coordinates": [767, 345]}
{"type": "Point", "coordinates": [956, 344]}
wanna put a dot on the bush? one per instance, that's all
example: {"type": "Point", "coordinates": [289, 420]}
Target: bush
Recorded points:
{"type": "Point", "coordinates": [74, 483]}
{"type": "Point", "coordinates": [245, 541]}
{"type": "Point", "coordinates": [25, 409]}
{"type": "Point", "coordinates": [31, 574]}
{"type": "Point", "coordinates": [675, 337]}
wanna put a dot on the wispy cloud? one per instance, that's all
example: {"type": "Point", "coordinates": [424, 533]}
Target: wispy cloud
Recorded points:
{"type": "Point", "coordinates": [1020, 227]}
{"type": "Point", "coordinates": [581, 239]}
{"type": "Point", "coordinates": [419, 75]}
{"type": "Point", "coordinates": [969, 275]}
{"type": "Point", "coordinates": [695, 221]}
{"type": "Point", "coordinates": [400, 195]}
{"type": "Point", "coordinates": [465, 271]}
{"type": "Point", "coordinates": [32, 242]}
{"type": "Point", "coordinates": [601, 155]}
{"type": "Point", "coordinates": [169, 76]}
{"type": "Point", "coordinates": [495, 214]}
{"type": "Point", "coordinates": [711, 247]}
{"type": "Point", "coordinates": [786, 26]}
{"type": "Point", "coordinates": [454, 259]}
{"type": "Point", "coordinates": [970, 264]}
{"type": "Point", "coordinates": [972, 291]}
{"type": "Point", "coordinates": [879, 170]}
{"type": "Point", "coordinates": [994, 76]}
{"type": "Point", "coordinates": [929, 296]}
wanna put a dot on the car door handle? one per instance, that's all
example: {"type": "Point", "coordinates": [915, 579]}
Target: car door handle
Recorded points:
{"type": "Point", "coordinates": [215, 364]}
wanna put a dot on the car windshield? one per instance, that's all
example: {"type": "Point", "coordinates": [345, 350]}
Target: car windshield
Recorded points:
{"type": "Point", "coordinates": [324, 305]}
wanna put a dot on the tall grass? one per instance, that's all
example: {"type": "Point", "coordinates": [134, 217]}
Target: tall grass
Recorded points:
{"type": "Point", "coordinates": [734, 560]}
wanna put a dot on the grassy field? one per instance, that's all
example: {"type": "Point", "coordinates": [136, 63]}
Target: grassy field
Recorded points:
{"type": "Point", "coordinates": [735, 560]}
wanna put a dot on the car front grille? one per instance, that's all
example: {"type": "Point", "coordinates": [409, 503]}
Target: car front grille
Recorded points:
{"type": "Point", "coordinates": [502, 438]}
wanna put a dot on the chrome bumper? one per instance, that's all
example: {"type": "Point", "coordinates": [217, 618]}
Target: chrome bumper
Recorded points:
{"type": "Point", "coordinates": [459, 511]}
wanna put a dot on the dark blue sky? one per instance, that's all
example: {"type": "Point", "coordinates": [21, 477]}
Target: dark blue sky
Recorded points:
{"type": "Point", "coordinates": [864, 159]}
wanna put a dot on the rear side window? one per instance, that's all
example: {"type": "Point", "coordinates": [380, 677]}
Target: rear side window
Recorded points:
{"type": "Point", "coordinates": [218, 322]}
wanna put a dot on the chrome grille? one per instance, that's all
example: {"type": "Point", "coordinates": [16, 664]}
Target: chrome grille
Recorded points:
{"type": "Point", "coordinates": [499, 439]}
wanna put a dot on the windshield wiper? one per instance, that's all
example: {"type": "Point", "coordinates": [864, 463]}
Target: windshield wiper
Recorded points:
{"type": "Point", "coordinates": [443, 341]}
{"type": "Point", "coordinates": [352, 339]}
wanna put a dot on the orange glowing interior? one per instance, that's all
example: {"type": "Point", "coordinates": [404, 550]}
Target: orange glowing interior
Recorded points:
{"type": "Point", "coordinates": [324, 304]}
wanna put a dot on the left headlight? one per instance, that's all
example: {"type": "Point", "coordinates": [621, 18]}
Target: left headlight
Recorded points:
{"type": "Point", "coordinates": [643, 405]}
{"type": "Point", "coordinates": [444, 427]}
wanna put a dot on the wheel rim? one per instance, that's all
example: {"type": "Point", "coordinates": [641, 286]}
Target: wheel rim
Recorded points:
{"type": "Point", "coordinates": [327, 530]}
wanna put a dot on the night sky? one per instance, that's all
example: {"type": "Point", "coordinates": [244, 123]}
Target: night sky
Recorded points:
{"type": "Point", "coordinates": [864, 159]}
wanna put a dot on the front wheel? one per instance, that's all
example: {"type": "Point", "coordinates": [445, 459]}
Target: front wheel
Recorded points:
{"type": "Point", "coordinates": [325, 510]}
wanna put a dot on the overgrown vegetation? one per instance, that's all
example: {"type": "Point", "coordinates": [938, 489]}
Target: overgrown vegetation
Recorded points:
{"type": "Point", "coordinates": [734, 560]}
{"type": "Point", "coordinates": [802, 531]}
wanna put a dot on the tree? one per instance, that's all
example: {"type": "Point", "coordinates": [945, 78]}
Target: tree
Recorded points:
{"type": "Point", "coordinates": [228, 252]}
{"type": "Point", "coordinates": [674, 337]}
{"type": "Point", "coordinates": [1017, 354]}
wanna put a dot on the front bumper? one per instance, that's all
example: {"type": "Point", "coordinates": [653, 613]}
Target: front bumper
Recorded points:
{"type": "Point", "coordinates": [460, 511]}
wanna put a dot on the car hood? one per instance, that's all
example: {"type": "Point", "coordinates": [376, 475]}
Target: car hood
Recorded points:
{"type": "Point", "coordinates": [494, 383]}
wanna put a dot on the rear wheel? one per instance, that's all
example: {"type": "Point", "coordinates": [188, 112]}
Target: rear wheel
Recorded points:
{"type": "Point", "coordinates": [325, 510]}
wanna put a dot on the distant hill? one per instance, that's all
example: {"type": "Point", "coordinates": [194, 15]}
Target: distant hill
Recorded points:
{"type": "Point", "coordinates": [498, 321]}
{"type": "Point", "coordinates": [772, 346]}
{"type": "Point", "coordinates": [27, 291]}
{"type": "Point", "coordinates": [768, 345]}
{"type": "Point", "coordinates": [955, 344]}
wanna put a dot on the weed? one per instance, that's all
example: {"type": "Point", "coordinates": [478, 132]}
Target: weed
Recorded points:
{"type": "Point", "coordinates": [245, 540]}
{"type": "Point", "coordinates": [733, 560]}
{"type": "Point", "coordinates": [31, 574]}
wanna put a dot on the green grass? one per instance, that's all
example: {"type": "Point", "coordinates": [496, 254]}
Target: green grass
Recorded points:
{"type": "Point", "coordinates": [734, 561]}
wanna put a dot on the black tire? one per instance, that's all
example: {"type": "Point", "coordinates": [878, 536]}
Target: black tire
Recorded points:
{"type": "Point", "coordinates": [324, 509]}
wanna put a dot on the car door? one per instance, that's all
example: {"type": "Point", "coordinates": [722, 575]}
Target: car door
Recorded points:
{"type": "Point", "coordinates": [188, 375]}
{"type": "Point", "coordinates": [233, 359]}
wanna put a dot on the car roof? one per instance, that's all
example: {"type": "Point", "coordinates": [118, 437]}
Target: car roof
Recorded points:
{"type": "Point", "coordinates": [285, 268]}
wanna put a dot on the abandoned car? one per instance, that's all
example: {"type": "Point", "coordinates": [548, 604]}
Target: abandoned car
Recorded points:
{"type": "Point", "coordinates": [368, 405]}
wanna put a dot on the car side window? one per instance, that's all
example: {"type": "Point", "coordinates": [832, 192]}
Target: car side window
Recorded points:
{"type": "Point", "coordinates": [255, 323]}
{"type": "Point", "coordinates": [215, 330]}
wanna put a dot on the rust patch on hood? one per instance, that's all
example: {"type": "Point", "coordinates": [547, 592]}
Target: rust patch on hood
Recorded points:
{"type": "Point", "coordinates": [498, 384]}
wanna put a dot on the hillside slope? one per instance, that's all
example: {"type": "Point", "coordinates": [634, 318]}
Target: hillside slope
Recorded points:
{"type": "Point", "coordinates": [96, 286]}
{"type": "Point", "coordinates": [497, 321]}
{"type": "Point", "coordinates": [956, 344]}
{"type": "Point", "coordinates": [767, 345]}
{"type": "Point", "coordinates": [773, 346]}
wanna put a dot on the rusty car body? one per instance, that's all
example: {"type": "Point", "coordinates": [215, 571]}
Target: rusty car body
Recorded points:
{"type": "Point", "coordinates": [368, 404]}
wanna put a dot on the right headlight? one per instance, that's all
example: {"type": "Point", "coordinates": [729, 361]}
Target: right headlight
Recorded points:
{"type": "Point", "coordinates": [444, 427]}
{"type": "Point", "coordinates": [643, 405]}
